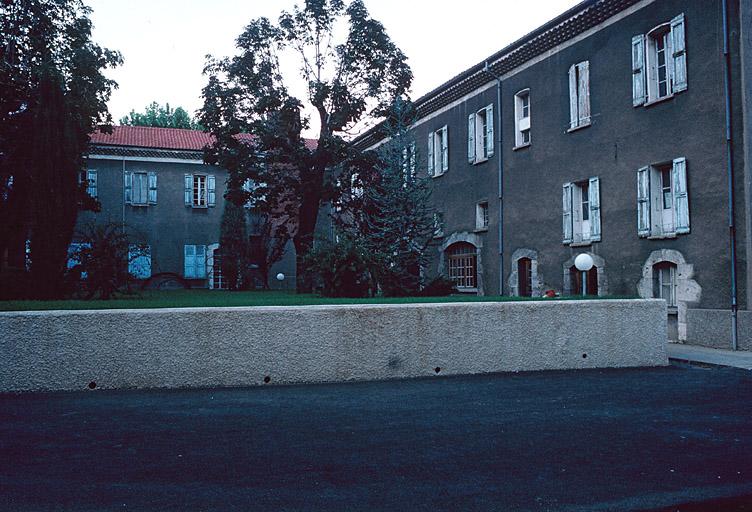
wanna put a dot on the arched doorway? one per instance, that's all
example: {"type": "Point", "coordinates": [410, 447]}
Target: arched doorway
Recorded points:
{"type": "Point", "coordinates": [591, 281]}
{"type": "Point", "coordinates": [525, 277]}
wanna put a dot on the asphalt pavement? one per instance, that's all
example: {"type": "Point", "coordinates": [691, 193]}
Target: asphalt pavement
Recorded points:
{"type": "Point", "coordinates": [675, 438]}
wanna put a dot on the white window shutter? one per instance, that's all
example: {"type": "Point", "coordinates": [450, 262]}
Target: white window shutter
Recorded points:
{"type": "Point", "coordinates": [489, 131]}
{"type": "Point", "coordinates": [681, 198]}
{"type": "Point", "coordinates": [574, 117]}
{"type": "Point", "coordinates": [444, 149]}
{"type": "Point", "coordinates": [431, 155]}
{"type": "Point", "coordinates": [189, 261]}
{"type": "Point", "coordinates": [405, 163]}
{"type": "Point", "coordinates": [201, 261]}
{"type": "Point", "coordinates": [211, 184]}
{"type": "Point", "coordinates": [594, 202]}
{"type": "Point", "coordinates": [643, 202]}
{"type": "Point", "coordinates": [152, 188]}
{"type": "Point", "coordinates": [639, 93]}
{"type": "Point", "coordinates": [567, 213]}
{"type": "Point", "coordinates": [471, 138]}
{"type": "Point", "coordinates": [188, 189]}
{"type": "Point", "coordinates": [583, 96]}
{"type": "Point", "coordinates": [128, 176]}
{"type": "Point", "coordinates": [679, 49]}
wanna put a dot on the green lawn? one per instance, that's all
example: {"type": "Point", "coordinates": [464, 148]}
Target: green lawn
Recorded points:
{"type": "Point", "coordinates": [210, 298]}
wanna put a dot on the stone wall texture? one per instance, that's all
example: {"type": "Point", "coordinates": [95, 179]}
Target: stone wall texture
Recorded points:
{"type": "Point", "coordinates": [712, 328]}
{"type": "Point", "coordinates": [215, 347]}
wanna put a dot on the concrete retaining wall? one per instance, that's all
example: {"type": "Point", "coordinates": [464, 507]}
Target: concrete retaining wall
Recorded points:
{"type": "Point", "coordinates": [712, 328]}
{"type": "Point", "coordinates": [171, 348]}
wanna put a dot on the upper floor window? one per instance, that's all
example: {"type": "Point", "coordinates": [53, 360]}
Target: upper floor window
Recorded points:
{"type": "Point", "coordinates": [662, 199]}
{"type": "Point", "coordinates": [200, 190]}
{"type": "Point", "coordinates": [90, 179]}
{"type": "Point", "coordinates": [480, 135]}
{"type": "Point", "coordinates": [581, 211]}
{"type": "Point", "coordinates": [438, 152]}
{"type": "Point", "coordinates": [659, 62]}
{"type": "Point", "coordinates": [481, 215]}
{"type": "Point", "coordinates": [579, 95]}
{"type": "Point", "coordinates": [522, 118]}
{"type": "Point", "coordinates": [140, 188]}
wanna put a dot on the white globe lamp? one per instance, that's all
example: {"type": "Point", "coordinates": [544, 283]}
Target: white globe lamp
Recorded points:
{"type": "Point", "coordinates": [280, 277]}
{"type": "Point", "coordinates": [584, 262]}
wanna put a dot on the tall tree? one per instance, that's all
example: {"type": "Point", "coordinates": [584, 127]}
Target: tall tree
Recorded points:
{"type": "Point", "coordinates": [347, 81]}
{"type": "Point", "coordinates": [233, 244]}
{"type": "Point", "coordinates": [164, 117]}
{"type": "Point", "coordinates": [52, 96]}
{"type": "Point", "coordinates": [388, 210]}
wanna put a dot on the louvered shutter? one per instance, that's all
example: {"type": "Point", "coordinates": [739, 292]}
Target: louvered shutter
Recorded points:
{"type": "Point", "coordinates": [643, 202]}
{"type": "Point", "coordinates": [567, 213]}
{"type": "Point", "coordinates": [681, 198]}
{"type": "Point", "coordinates": [405, 163]}
{"type": "Point", "coordinates": [189, 262]}
{"type": "Point", "coordinates": [583, 97]}
{"type": "Point", "coordinates": [679, 49]}
{"type": "Point", "coordinates": [574, 117]}
{"type": "Point", "coordinates": [594, 202]}
{"type": "Point", "coordinates": [471, 138]}
{"type": "Point", "coordinates": [152, 188]}
{"type": "Point", "coordinates": [211, 184]}
{"type": "Point", "coordinates": [200, 261]}
{"type": "Point", "coordinates": [639, 94]}
{"type": "Point", "coordinates": [431, 163]}
{"type": "Point", "coordinates": [489, 131]}
{"type": "Point", "coordinates": [444, 149]}
{"type": "Point", "coordinates": [128, 185]}
{"type": "Point", "coordinates": [91, 185]}
{"type": "Point", "coordinates": [188, 190]}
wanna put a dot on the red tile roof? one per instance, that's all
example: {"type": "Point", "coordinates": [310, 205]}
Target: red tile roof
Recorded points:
{"type": "Point", "coordinates": [162, 138]}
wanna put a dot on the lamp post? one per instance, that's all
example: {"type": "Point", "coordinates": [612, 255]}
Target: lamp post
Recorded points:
{"type": "Point", "coordinates": [584, 262]}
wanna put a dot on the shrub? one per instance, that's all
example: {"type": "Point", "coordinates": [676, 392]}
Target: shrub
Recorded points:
{"type": "Point", "coordinates": [340, 269]}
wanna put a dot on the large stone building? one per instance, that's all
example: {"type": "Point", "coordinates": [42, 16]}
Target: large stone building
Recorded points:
{"type": "Point", "coordinates": [153, 182]}
{"type": "Point", "coordinates": [604, 131]}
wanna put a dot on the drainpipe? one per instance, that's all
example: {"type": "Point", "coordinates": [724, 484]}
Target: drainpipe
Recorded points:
{"type": "Point", "coordinates": [500, 157]}
{"type": "Point", "coordinates": [730, 174]}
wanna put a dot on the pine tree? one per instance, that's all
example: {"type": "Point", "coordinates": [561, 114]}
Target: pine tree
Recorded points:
{"type": "Point", "coordinates": [389, 210]}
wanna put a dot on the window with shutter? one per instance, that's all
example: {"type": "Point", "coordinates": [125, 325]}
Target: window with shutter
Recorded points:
{"type": "Point", "coordinates": [445, 149]}
{"type": "Point", "coordinates": [91, 183]}
{"type": "Point", "coordinates": [663, 200]}
{"type": "Point", "coordinates": [189, 262]}
{"type": "Point", "coordinates": [489, 147]}
{"type": "Point", "coordinates": [471, 138]}
{"type": "Point", "coordinates": [431, 154]}
{"type": "Point", "coordinates": [438, 152]}
{"type": "Point", "coordinates": [679, 53]}
{"type": "Point", "coordinates": [660, 59]}
{"type": "Point", "coordinates": [139, 193]}
{"type": "Point", "coordinates": [211, 185]}
{"type": "Point", "coordinates": [480, 144]}
{"type": "Point", "coordinates": [594, 203]}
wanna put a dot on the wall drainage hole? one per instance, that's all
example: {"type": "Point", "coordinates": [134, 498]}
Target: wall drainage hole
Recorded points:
{"type": "Point", "coordinates": [267, 379]}
{"type": "Point", "coordinates": [92, 385]}
{"type": "Point", "coordinates": [584, 356]}
{"type": "Point", "coordinates": [437, 369]}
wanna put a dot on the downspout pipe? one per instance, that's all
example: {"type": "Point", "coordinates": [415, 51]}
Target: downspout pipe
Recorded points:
{"type": "Point", "coordinates": [730, 174]}
{"type": "Point", "coordinates": [500, 156]}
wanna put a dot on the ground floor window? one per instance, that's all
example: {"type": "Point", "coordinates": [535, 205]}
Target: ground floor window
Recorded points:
{"type": "Point", "coordinates": [462, 262]}
{"type": "Point", "coordinates": [591, 281]}
{"type": "Point", "coordinates": [195, 262]}
{"type": "Point", "coordinates": [218, 281]}
{"type": "Point", "coordinates": [139, 261]}
{"type": "Point", "coordinates": [664, 282]}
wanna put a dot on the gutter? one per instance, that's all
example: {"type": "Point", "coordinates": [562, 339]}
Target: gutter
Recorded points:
{"type": "Point", "coordinates": [730, 175]}
{"type": "Point", "coordinates": [500, 146]}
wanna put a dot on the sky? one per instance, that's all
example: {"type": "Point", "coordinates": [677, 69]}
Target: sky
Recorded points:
{"type": "Point", "coordinates": [164, 42]}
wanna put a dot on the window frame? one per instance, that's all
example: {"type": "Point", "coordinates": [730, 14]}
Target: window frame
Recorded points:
{"type": "Point", "coordinates": [580, 115]}
{"type": "Point", "coordinates": [438, 152]}
{"type": "Point", "coordinates": [522, 124]}
{"type": "Point", "coordinates": [480, 135]}
{"type": "Point", "coordinates": [462, 267]}
{"type": "Point", "coordinates": [481, 216]}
